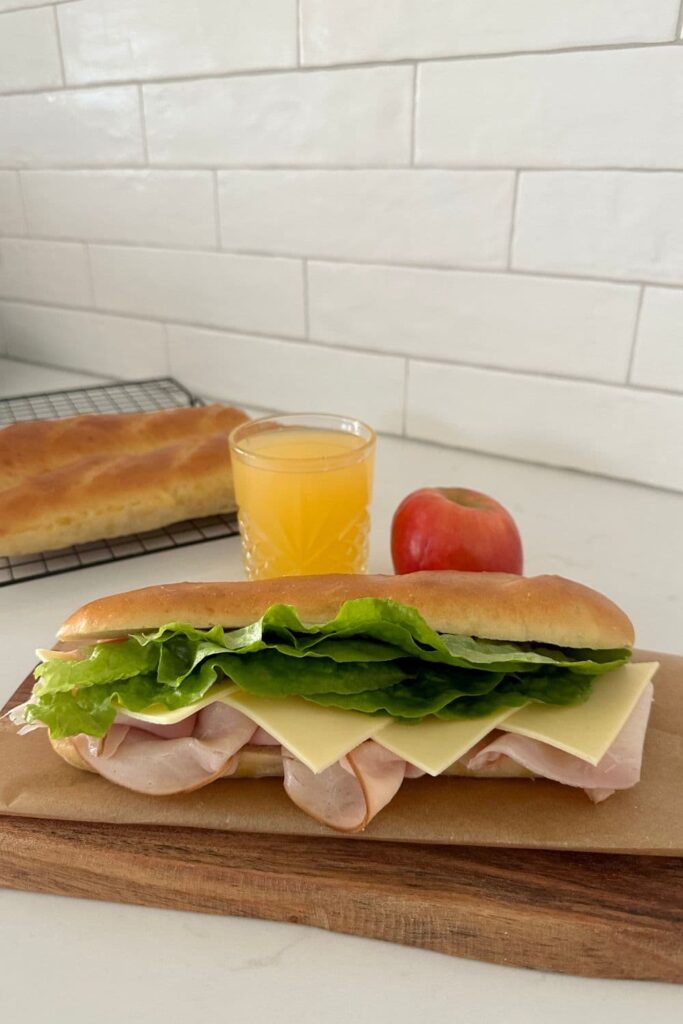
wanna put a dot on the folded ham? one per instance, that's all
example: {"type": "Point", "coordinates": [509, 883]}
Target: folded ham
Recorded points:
{"type": "Point", "coordinates": [164, 759]}
{"type": "Point", "coordinates": [351, 792]}
{"type": "Point", "coordinates": [144, 759]}
{"type": "Point", "coordinates": [618, 769]}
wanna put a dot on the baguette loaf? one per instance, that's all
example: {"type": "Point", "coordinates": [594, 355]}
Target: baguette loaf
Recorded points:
{"type": "Point", "coordinates": [110, 497]}
{"type": "Point", "coordinates": [42, 446]}
{"type": "Point", "coordinates": [544, 609]}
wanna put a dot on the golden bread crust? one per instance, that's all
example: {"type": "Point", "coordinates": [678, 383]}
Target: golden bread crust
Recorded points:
{"type": "Point", "coordinates": [42, 446]}
{"type": "Point", "coordinates": [110, 497]}
{"type": "Point", "coordinates": [68, 753]}
{"type": "Point", "coordinates": [500, 606]}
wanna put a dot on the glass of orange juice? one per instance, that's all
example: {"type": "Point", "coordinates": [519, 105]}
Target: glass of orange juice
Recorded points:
{"type": "Point", "coordinates": [303, 484]}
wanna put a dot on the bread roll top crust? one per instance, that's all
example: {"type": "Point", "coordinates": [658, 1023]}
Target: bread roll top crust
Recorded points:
{"type": "Point", "coordinates": [107, 496]}
{"type": "Point", "coordinates": [42, 446]}
{"type": "Point", "coordinates": [496, 606]}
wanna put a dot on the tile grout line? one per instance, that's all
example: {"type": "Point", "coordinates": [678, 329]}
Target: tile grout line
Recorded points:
{"type": "Point", "coordinates": [37, 5]}
{"type": "Point", "coordinates": [679, 24]}
{"type": "Point", "coordinates": [356, 261]}
{"type": "Point", "coordinates": [310, 167]}
{"type": "Point", "coordinates": [513, 219]}
{"type": "Point", "coordinates": [24, 210]}
{"type": "Point", "coordinates": [217, 213]}
{"type": "Point", "coordinates": [529, 373]}
{"type": "Point", "coordinates": [562, 467]}
{"type": "Point", "coordinates": [60, 48]}
{"type": "Point", "coordinates": [299, 35]}
{"type": "Point", "coordinates": [345, 66]}
{"type": "Point", "coordinates": [406, 377]}
{"type": "Point", "coordinates": [634, 342]}
{"type": "Point", "coordinates": [307, 314]}
{"type": "Point", "coordinates": [143, 126]}
{"type": "Point", "coordinates": [96, 309]}
{"type": "Point", "coordinates": [413, 118]}
{"type": "Point", "coordinates": [413, 438]}
{"type": "Point", "coordinates": [167, 347]}
{"type": "Point", "coordinates": [61, 366]}
{"type": "Point", "coordinates": [289, 339]}
{"type": "Point", "coordinates": [91, 276]}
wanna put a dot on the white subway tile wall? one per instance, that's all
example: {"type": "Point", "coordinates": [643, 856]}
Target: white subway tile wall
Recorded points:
{"type": "Point", "coordinates": [71, 128]}
{"type": "Point", "coordinates": [620, 224]}
{"type": "Point", "coordinates": [105, 41]}
{"type": "Point", "coordinates": [445, 217]}
{"type": "Point", "coordinates": [291, 376]}
{"type": "Point", "coordinates": [143, 207]}
{"type": "Point", "coordinates": [118, 346]}
{"type": "Point", "coordinates": [657, 362]}
{"type": "Point", "coordinates": [337, 32]}
{"type": "Point", "coordinates": [12, 220]}
{"type": "Point", "coordinates": [540, 324]}
{"type": "Point", "coordinates": [248, 293]}
{"type": "Point", "coordinates": [458, 220]}
{"type": "Point", "coordinates": [598, 427]}
{"type": "Point", "coordinates": [45, 272]}
{"type": "Point", "coordinates": [349, 117]}
{"type": "Point", "coordinates": [29, 52]}
{"type": "Point", "coordinates": [602, 109]}
{"type": "Point", "coordinates": [14, 5]}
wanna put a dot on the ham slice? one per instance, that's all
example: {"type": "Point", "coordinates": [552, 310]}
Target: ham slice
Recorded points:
{"type": "Point", "coordinates": [261, 738]}
{"type": "Point", "coordinates": [65, 651]}
{"type": "Point", "coordinates": [164, 759]}
{"type": "Point", "coordinates": [180, 729]}
{"type": "Point", "coordinates": [140, 760]}
{"type": "Point", "coordinates": [618, 769]}
{"type": "Point", "coordinates": [351, 792]}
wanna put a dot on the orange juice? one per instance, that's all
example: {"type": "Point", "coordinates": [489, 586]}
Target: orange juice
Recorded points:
{"type": "Point", "coordinates": [303, 494]}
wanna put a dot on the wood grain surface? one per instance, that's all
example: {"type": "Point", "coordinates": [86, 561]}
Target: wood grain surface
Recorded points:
{"type": "Point", "coordinates": [589, 914]}
{"type": "Point", "coordinates": [599, 915]}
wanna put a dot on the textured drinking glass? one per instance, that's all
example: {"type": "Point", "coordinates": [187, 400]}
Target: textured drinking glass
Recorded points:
{"type": "Point", "coordinates": [303, 484]}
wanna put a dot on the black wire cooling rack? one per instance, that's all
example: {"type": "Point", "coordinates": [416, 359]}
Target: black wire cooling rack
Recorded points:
{"type": "Point", "coordinates": [129, 396]}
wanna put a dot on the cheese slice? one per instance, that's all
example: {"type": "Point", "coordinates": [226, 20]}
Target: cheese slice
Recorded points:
{"type": "Point", "coordinates": [316, 735]}
{"type": "Point", "coordinates": [160, 715]}
{"type": "Point", "coordinates": [587, 730]}
{"type": "Point", "coordinates": [434, 744]}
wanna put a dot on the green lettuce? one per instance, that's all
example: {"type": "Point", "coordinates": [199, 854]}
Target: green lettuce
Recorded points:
{"type": "Point", "coordinates": [380, 630]}
{"type": "Point", "coordinates": [92, 709]}
{"type": "Point", "coordinates": [429, 696]}
{"type": "Point", "coordinates": [375, 656]}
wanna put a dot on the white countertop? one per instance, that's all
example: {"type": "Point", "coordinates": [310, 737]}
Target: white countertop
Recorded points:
{"type": "Point", "coordinates": [74, 960]}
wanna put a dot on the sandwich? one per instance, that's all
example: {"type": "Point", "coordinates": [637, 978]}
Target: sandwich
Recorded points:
{"type": "Point", "coordinates": [345, 686]}
{"type": "Point", "coordinates": [81, 479]}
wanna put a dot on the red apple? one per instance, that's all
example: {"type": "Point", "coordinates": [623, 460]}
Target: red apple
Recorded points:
{"type": "Point", "coordinates": [454, 528]}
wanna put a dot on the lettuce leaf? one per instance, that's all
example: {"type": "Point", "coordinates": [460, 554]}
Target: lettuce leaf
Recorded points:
{"type": "Point", "coordinates": [92, 710]}
{"type": "Point", "coordinates": [378, 629]}
{"type": "Point", "coordinates": [106, 663]}
{"type": "Point", "coordinates": [412, 702]}
{"type": "Point", "coordinates": [375, 656]}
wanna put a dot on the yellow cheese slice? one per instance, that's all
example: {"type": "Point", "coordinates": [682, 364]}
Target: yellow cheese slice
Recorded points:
{"type": "Point", "coordinates": [587, 730]}
{"type": "Point", "coordinates": [435, 744]}
{"type": "Point", "coordinates": [160, 715]}
{"type": "Point", "coordinates": [318, 736]}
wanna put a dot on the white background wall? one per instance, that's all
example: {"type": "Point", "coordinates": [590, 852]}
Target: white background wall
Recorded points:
{"type": "Point", "coordinates": [458, 219]}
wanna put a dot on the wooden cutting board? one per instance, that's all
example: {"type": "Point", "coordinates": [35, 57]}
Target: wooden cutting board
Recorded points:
{"type": "Point", "coordinates": [591, 914]}
{"type": "Point", "coordinates": [599, 915]}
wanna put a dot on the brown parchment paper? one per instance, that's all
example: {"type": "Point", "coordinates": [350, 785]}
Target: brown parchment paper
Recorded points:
{"type": "Point", "coordinates": [647, 819]}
